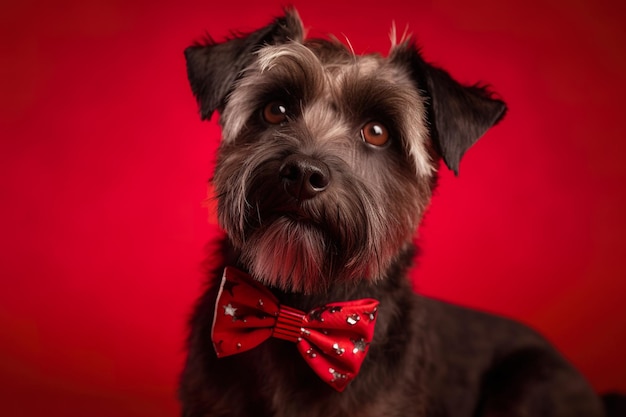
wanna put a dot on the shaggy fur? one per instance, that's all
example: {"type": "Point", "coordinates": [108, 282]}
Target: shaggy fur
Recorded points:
{"type": "Point", "coordinates": [318, 214]}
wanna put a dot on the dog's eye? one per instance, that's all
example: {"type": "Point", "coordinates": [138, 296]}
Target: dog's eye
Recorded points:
{"type": "Point", "coordinates": [275, 112]}
{"type": "Point", "coordinates": [375, 134]}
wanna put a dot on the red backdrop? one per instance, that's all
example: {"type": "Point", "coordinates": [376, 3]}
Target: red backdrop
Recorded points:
{"type": "Point", "coordinates": [104, 162]}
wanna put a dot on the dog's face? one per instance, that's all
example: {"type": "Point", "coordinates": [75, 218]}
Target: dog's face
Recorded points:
{"type": "Point", "coordinates": [328, 159]}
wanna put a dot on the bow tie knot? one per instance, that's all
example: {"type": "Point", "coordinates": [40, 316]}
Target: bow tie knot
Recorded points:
{"type": "Point", "coordinates": [333, 339]}
{"type": "Point", "coordinates": [289, 324]}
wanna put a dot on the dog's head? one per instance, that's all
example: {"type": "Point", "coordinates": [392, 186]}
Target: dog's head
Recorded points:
{"type": "Point", "coordinates": [328, 159]}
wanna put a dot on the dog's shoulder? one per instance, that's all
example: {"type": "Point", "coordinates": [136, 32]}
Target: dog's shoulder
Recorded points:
{"type": "Point", "coordinates": [453, 321]}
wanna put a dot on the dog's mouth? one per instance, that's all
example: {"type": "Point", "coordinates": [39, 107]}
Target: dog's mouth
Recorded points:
{"type": "Point", "coordinates": [326, 221]}
{"type": "Point", "coordinates": [300, 218]}
{"type": "Point", "coordinates": [294, 212]}
{"type": "Point", "coordinates": [299, 221]}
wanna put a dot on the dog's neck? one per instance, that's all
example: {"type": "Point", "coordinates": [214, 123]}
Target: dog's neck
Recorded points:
{"type": "Point", "coordinates": [393, 286]}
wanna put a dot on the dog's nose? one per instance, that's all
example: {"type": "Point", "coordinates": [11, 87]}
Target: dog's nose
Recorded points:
{"type": "Point", "coordinates": [304, 177]}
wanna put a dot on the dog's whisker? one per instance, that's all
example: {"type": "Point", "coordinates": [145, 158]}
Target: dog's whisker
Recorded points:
{"type": "Point", "coordinates": [259, 217]}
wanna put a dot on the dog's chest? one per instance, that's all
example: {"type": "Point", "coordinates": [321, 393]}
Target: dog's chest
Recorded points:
{"type": "Point", "coordinates": [291, 389]}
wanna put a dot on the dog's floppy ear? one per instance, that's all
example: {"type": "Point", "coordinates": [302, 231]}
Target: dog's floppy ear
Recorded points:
{"type": "Point", "coordinates": [213, 68]}
{"type": "Point", "coordinates": [458, 115]}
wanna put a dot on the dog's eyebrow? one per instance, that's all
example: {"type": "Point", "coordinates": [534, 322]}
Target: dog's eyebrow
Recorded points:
{"type": "Point", "coordinates": [292, 66]}
{"type": "Point", "coordinates": [371, 95]}
{"type": "Point", "coordinates": [282, 84]}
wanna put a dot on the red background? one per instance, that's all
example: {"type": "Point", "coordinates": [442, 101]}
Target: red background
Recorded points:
{"type": "Point", "coordinates": [104, 162]}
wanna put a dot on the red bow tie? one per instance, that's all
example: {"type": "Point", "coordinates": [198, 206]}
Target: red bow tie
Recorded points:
{"type": "Point", "coordinates": [333, 339]}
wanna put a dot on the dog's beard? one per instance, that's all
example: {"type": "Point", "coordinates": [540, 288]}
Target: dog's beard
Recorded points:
{"type": "Point", "coordinates": [288, 254]}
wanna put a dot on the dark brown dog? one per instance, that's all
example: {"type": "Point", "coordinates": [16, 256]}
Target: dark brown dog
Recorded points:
{"type": "Point", "coordinates": [327, 163]}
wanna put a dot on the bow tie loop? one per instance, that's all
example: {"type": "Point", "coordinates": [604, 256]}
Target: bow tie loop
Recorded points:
{"type": "Point", "coordinates": [333, 339]}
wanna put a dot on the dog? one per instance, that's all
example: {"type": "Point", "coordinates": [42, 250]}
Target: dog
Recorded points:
{"type": "Point", "coordinates": [327, 163]}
